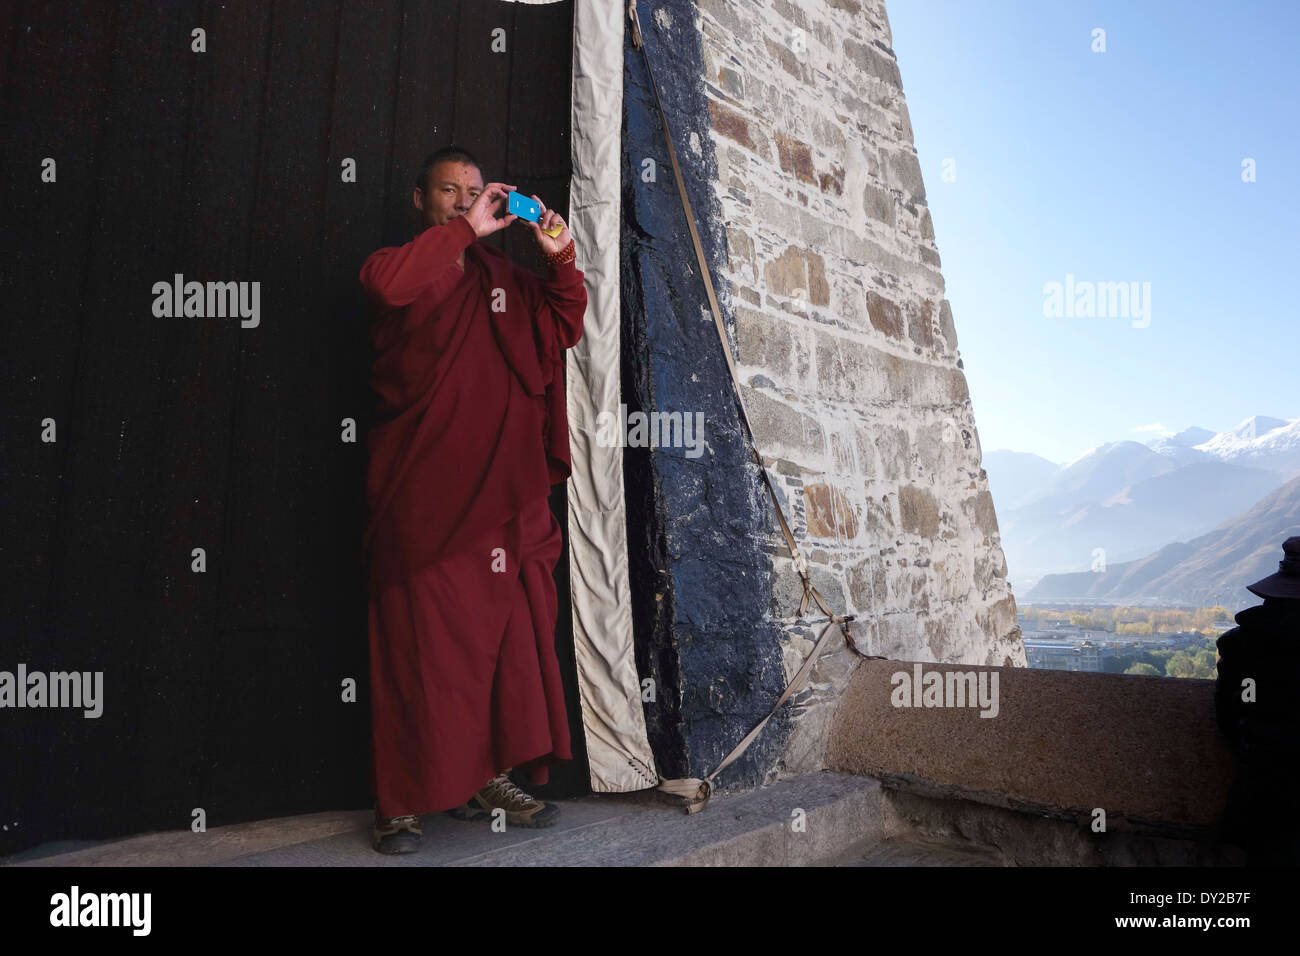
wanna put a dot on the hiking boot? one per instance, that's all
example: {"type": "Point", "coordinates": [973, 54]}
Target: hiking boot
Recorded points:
{"type": "Point", "coordinates": [398, 834]}
{"type": "Point", "coordinates": [522, 809]}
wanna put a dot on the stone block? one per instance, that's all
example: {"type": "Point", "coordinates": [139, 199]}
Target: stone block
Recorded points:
{"type": "Point", "coordinates": [879, 205]}
{"type": "Point", "coordinates": [953, 576]}
{"type": "Point", "coordinates": [899, 635]}
{"type": "Point", "coordinates": [832, 181]}
{"type": "Point", "coordinates": [990, 568]}
{"type": "Point", "coordinates": [979, 509]}
{"type": "Point", "coordinates": [779, 49]}
{"type": "Point", "coordinates": [936, 452]}
{"type": "Point", "coordinates": [787, 590]}
{"type": "Point", "coordinates": [732, 18]}
{"type": "Point", "coordinates": [885, 315]}
{"type": "Point", "coordinates": [799, 274]}
{"type": "Point", "coordinates": [893, 448]}
{"type": "Point", "coordinates": [772, 344]}
{"type": "Point", "coordinates": [732, 81]}
{"type": "Point", "coordinates": [727, 122]}
{"type": "Point", "coordinates": [868, 584]}
{"type": "Point", "coordinates": [830, 513]}
{"type": "Point", "coordinates": [946, 325]}
{"type": "Point", "coordinates": [998, 618]}
{"type": "Point", "coordinates": [868, 464]}
{"type": "Point", "coordinates": [872, 61]}
{"type": "Point", "coordinates": [920, 324]}
{"type": "Point", "coordinates": [790, 13]}
{"type": "Point", "coordinates": [827, 133]}
{"type": "Point", "coordinates": [903, 171]}
{"type": "Point", "coordinates": [918, 511]}
{"type": "Point", "coordinates": [908, 589]}
{"type": "Point", "coordinates": [779, 427]}
{"type": "Point", "coordinates": [740, 251]}
{"type": "Point", "coordinates": [857, 373]}
{"type": "Point", "coordinates": [927, 224]}
{"type": "Point", "coordinates": [880, 519]}
{"type": "Point", "coordinates": [795, 157]}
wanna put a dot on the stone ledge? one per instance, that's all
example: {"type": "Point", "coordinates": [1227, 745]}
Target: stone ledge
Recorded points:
{"type": "Point", "coordinates": [1144, 749]}
{"type": "Point", "coordinates": [938, 828]}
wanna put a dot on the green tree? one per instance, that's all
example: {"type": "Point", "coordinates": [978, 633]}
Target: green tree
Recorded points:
{"type": "Point", "coordinates": [1179, 665]}
{"type": "Point", "coordinates": [1143, 670]}
{"type": "Point", "coordinates": [1206, 662]}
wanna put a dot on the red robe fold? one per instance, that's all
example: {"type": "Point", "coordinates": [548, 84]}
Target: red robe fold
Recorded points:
{"type": "Point", "coordinates": [466, 434]}
{"type": "Point", "coordinates": [471, 433]}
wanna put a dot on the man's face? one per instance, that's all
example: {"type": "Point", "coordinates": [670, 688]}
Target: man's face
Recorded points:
{"type": "Point", "coordinates": [451, 188]}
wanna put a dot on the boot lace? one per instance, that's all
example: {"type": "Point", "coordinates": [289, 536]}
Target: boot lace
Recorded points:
{"type": "Point", "coordinates": [502, 792]}
{"type": "Point", "coordinates": [396, 824]}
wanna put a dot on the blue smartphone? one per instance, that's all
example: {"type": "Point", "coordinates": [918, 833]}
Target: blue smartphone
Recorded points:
{"type": "Point", "coordinates": [523, 207]}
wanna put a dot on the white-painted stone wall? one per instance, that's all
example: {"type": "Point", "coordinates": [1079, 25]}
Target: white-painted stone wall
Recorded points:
{"type": "Point", "coordinates": [847, 346]}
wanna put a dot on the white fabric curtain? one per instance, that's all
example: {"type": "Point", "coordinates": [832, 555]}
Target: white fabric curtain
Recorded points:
{"type": "Point", "coordinates": [612, 719]}
{"type": "Point", "coordinates": [612, 715]}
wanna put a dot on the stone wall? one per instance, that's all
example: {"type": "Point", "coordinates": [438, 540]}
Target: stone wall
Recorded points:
{"type": "Point", "coordinates": [791, 126]}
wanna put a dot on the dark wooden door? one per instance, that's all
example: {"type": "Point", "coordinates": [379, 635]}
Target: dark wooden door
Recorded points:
{"type": "Point", "coordinates": [222, 689]}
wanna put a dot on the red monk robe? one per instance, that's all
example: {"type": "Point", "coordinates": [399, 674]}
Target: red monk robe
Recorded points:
{"type": "Point", "coordinates": [470, 435]}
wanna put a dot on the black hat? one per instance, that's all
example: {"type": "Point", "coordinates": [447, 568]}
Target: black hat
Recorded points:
{"type": "Point", "coordinates": [1286, 583]}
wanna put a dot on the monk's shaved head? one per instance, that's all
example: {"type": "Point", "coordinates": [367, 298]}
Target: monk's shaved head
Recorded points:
{"type": "Point", "coordinates": [451, 187]}
{"type": "Point", "coordinates": [453, 153]}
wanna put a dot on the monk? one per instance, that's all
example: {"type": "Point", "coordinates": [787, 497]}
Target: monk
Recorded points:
{"type": "Point", "coordinates": [470, 434]}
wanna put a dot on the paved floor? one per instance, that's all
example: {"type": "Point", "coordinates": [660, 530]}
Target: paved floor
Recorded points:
{"type": "Point", "coordinates": [912, 849]}
{"type": "Point", "coordinates": [815, 819]}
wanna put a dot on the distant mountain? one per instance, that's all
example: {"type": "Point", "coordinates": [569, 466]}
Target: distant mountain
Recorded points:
{"type": "Point", "coordinates": [1182, 447]}
{"type": "Point", "coordinates": [1247, 431]}
{"type": "Point", "coordinates": [1129, 498]}
{"type": "Point", "coordinates": [1213, 568]}
{"type": "Point", "coordinates": [1259, 442]}
{"type": "Point", "coordinates": [1068, 531]}
{"type": "Point", "coordinates": [1017, 477]}
{"type": "Point", "coordinates": [1106, 470]}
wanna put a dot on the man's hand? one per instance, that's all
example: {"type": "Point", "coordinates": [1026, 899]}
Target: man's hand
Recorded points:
{"type": "Point", "coordinates": [482, 214]}
{"type": "Point", "coordinates": [549, 219]}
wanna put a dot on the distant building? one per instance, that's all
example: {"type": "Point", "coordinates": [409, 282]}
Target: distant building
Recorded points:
{"type": "Point", "coordinates": [1059, 656]}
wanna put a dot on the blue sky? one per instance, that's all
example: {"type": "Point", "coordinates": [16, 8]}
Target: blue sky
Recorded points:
{"type": "Point", "coordinates": [1117, 166]}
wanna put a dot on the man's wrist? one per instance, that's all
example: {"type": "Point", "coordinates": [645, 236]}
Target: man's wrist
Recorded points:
{"type": "Point", "coordinates": [567, 254]}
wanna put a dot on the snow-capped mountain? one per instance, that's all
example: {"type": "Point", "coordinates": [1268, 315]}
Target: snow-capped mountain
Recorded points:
{"type": "Point", "coordinates": [1259, 442]}
{"type": "Point", "coordinates": [1130, 499]}
{"type": "Point", "coordinates": [1182, 447]}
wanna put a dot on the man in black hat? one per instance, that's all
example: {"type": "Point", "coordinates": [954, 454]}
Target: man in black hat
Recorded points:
{"type": "Point", "coordinates": [1258, 710]}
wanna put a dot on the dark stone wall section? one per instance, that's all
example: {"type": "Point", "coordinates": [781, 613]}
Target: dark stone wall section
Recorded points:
{"type": "Point", "coordinates": [700, 577]}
